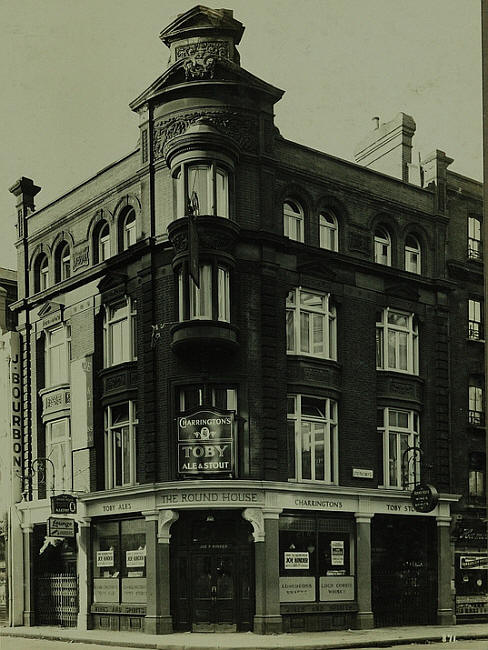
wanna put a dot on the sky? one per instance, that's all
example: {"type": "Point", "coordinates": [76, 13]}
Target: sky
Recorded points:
{"type": "Point", "coordinates": [68, 70]}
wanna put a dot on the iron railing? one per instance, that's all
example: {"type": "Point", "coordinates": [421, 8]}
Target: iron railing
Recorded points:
{"type": "Point", "coordinates": [57, 600]}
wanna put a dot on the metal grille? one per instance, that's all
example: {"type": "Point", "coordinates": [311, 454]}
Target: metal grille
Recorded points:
{"type": "Point", "coordinates": [406, 598]}
{"type": "Point", "coordinates": [57, 600]}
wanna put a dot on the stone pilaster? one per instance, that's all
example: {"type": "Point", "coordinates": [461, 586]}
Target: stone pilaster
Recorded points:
{"type": "Point", "coordinates": [267, 619]}
{"type": "Point", "coordinates": [158, 618]}
{"type": "Point", "coordinates": [29, 587]}
{"type": "Point", "coordinates": [365, 618]}
{"type": "Point", "coordinates": [445, 609]}
{"type": "Point", "coordinates": [83, 568]}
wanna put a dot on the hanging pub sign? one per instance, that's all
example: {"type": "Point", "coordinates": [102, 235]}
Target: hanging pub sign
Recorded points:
{"type": "Point", "coordinates": [63, 504]}
{"type": "Point", "coordinates": [206, 442]}
{"type": "Point", "coordinates": [57, 527]}
{"type": "Point", "coordinates": [424, 497]}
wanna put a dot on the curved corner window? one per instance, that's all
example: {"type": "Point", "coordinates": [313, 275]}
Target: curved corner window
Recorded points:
{"type": "Point", "coordinates": [41, 273]}
{"type": "Point", "coordinates": [208, 301]}
{"type": "Point", "coordinates": [293, 220]}
{"type": "Point", "coordinates": [382, 247]}
{"type": "Point", "coordinates": [62, 262]}
{"type": "Point", "coordinates": [397, 342]}
{"type": "Point", "coordinates": [126, 228]}
{"type": "Point", "coordinates": [119, 333]}
{"type": "Point", "coordinates": [412, 255]}
{"type": "Point", "coordinates": [310, 324]}
{"type": "Point", "coordinates": [202, 189]}
{"type": "Point", "coordinates": [329, 233]}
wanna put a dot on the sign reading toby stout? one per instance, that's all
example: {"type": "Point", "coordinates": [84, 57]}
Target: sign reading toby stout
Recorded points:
{"type": "Point", "coordinates": [206, 442]}
{"type": "Point", "coordinates": [424, 497]}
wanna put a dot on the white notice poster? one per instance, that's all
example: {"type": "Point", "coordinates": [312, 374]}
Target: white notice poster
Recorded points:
{"type": "Point", "coordinates": [105, 558]}
{"type": "Point", "coordinates": [337, 552]}
{"type": "Point", "coordinates": [297, 560]}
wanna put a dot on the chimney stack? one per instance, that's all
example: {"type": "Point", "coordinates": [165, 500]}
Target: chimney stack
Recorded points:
{"type": "Point", "coordinates": [388, 148]}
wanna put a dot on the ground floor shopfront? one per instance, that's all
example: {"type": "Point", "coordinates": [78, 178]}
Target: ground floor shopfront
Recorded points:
{"type": "Point", "coordinates": [242, 556]}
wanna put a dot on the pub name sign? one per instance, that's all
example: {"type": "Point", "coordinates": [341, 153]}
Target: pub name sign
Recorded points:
{"type": "Point", "coordinates": [206, 442]}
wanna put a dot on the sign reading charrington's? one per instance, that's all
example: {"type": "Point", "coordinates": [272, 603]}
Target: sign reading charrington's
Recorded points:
{"type": "Point", "coordinates": [206, 442]}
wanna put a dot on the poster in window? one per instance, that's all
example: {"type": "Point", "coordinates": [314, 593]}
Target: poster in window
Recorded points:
{"type": "Point", "coordinates": [105, 558]}
{"type": "Point", "coordinates": [297, 590]}
{"type": "Point", "coordinates": [337, 552]}
{"type": "Point", "coordinates": [135, 558]}
{"type": "Point", "coordinates": [336, 588]}
{"type": "Point", "coordinates": [297, 560]}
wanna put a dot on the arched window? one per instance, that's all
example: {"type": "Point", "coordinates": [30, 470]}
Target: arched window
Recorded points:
{"type": "Point", "coordinates": [382, 246]}
{"type": "Point", "coordinates": [101, 242]}
{"type": "Point", "coordinates": [293, 226]}
{"type": "Point", "coordinates": [412, 254]}
{"type": "Point", "coordinates": [62, 261]}
{"type": "Point", "coordinates": [127, 227]}
{"type": "Point", "coordinates": [329, 233]}
{"type": "Point", "coordinates": [41, 273]}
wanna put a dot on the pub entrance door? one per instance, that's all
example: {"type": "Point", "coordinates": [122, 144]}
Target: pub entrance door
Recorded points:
{"type": "Point", "coordinates": [212, 572]}
{"type": "Point", "coordinates": [213, 579]}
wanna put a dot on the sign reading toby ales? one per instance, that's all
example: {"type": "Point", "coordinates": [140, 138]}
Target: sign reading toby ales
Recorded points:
{"type": "Point", "coordinates": [206, 442]}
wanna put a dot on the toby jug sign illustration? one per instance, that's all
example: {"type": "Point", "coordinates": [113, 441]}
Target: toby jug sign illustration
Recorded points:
{"type": "Point", "coordinates": [206, 442]}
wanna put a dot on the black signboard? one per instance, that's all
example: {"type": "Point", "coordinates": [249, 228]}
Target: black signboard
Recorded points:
{"type": "Point", "coordinates": [424, 497]}
{"type": "Point", "coordinates": [206, 442]}
{"type": "Point", "coordinates": [63, 504]}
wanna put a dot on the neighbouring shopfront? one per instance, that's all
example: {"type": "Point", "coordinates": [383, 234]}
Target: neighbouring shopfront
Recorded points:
{"type": "Point", "coordinates": [471, 570]}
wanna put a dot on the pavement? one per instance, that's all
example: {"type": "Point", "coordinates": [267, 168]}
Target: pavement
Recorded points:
{"type": "Point", "coordinates": [378, 637]}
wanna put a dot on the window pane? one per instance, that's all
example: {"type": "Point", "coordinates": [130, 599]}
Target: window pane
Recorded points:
{"type": "Point", "coordinates": [306, 450]}
{"type": "Point", "coordinates": [318, 334]}
{"type": "Point", "coordinates": [120, 413]}
{"type": "Point", "coordinates": [402, 350]}
{"type": "Point", "coordinates": [392, 356]}
{"type": "Point", "coordinates": [290, 330]}
{"type": "Point", "coordinates": [319, 440]}
{"type": "Point", "coordinates": [393, 459]}
{"type": "Point", "coordinates": [394, 318]}
{"type": "Point", "coordinates": [311, 300]}
{"type": "Point", "coordinates": [304, 333]}
{"type": "Point", "coordinates": [313, 406]}
{"type": "Point", "coordinates": [198, 181]}
{"type": "Point", "coordinates": [222, 193]}
{"type": "Point", "coordinates": [223, 295]}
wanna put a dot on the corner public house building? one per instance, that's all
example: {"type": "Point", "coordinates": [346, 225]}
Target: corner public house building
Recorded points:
{"type": "Point", "coordinates": [233, 347]}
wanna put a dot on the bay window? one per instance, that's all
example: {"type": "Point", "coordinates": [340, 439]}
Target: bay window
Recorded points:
{"type": "Point", "coordinates": [120, 336]}
{"type": "Point", "coordinates": [396, 341]}
{"type": "Point", "coordinates": [210, 300]}
{"type": "Point", "coordinates": [202, 188]}
{"type": "Point", "coordinates": [57, 355]}
{"type": "Point", "coordinates": [58, 450]}
{"type": "Point", "coordinates": [221, 397]}
{"type": "Point", "coordinates": [399, 433]}
{"type": "Point", "coordinates": [312, 438]}
{"type": "Point", "coordinates": [120, 444]}
{"type": "Point", "coordinates": [310, 324]}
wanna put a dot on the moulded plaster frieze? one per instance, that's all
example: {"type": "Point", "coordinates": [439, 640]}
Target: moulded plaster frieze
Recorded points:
{"type": "Point", "coordinates": [240, 127]}
{"type": "Point", "coordinates": [201, 49]}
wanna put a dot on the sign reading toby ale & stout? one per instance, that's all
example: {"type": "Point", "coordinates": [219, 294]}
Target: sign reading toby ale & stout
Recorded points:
{"type": "Point", "coordinates": [206, 442]}
{"type": "Point", "coordinates": [424, 497]}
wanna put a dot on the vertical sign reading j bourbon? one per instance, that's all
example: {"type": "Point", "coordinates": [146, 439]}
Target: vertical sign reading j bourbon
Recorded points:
{"type": "Point", "coordinates": [206, 442]}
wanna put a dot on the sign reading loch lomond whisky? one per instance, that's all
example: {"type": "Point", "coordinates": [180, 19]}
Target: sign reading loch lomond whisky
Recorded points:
{"type": "Point", "coordinates": [206, 442]}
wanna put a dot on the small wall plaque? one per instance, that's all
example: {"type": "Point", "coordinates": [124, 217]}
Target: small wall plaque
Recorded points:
{"type": "Point", "coordinates": [362, 473]}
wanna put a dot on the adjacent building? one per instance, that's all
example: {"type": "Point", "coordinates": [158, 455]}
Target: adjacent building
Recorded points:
{"type": "Point", "coordinates": [241, 355]}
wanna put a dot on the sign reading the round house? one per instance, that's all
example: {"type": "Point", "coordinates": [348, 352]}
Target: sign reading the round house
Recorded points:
{"type": "Point", "coordinates": [206, 442]}
{"type": "Point", "coordinates": [424, 497]}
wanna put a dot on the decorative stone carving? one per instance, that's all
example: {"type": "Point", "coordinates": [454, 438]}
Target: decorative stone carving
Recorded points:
{"type": "Point", "coordinates": [235, 124]}
{"type": "Point", "coordinates": [81, 258]}
{"type": "Point", "coordinates": [219, 49]}
{"type": "Point", "coordinates": [166, 519]}
{"type": "Point", "coordinates": [255, 517]}
{"type": "Point", "coordinates": [180, 242]}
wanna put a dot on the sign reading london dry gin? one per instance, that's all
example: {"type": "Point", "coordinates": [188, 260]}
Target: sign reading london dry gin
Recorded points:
{"type": "Point", "coordinates": [206, 442]}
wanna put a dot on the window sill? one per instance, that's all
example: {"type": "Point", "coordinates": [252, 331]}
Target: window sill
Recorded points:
{"type": "Point", "coordinates": [405, 373]}
{"type": "Point", "coordinates": [190, 335]}
{"type": "Point", "coordinates": [473, 340]}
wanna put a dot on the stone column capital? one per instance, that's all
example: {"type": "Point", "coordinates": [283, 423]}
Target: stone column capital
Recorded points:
{"type": "Point", "coordinates": [255, 517]}
{"type": "Point", "coordinates": [443, 521]}
{"type": "Point", "coordinates": [85, 522]}
{"type": "Point", "coordinates": [363, 517]}
{"type": "Point", "coordinates": [150, 515]}
{"type": "Point", "coordinates": [166, 519]}
{"type": "Point", "coordinates": [27, 528]}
